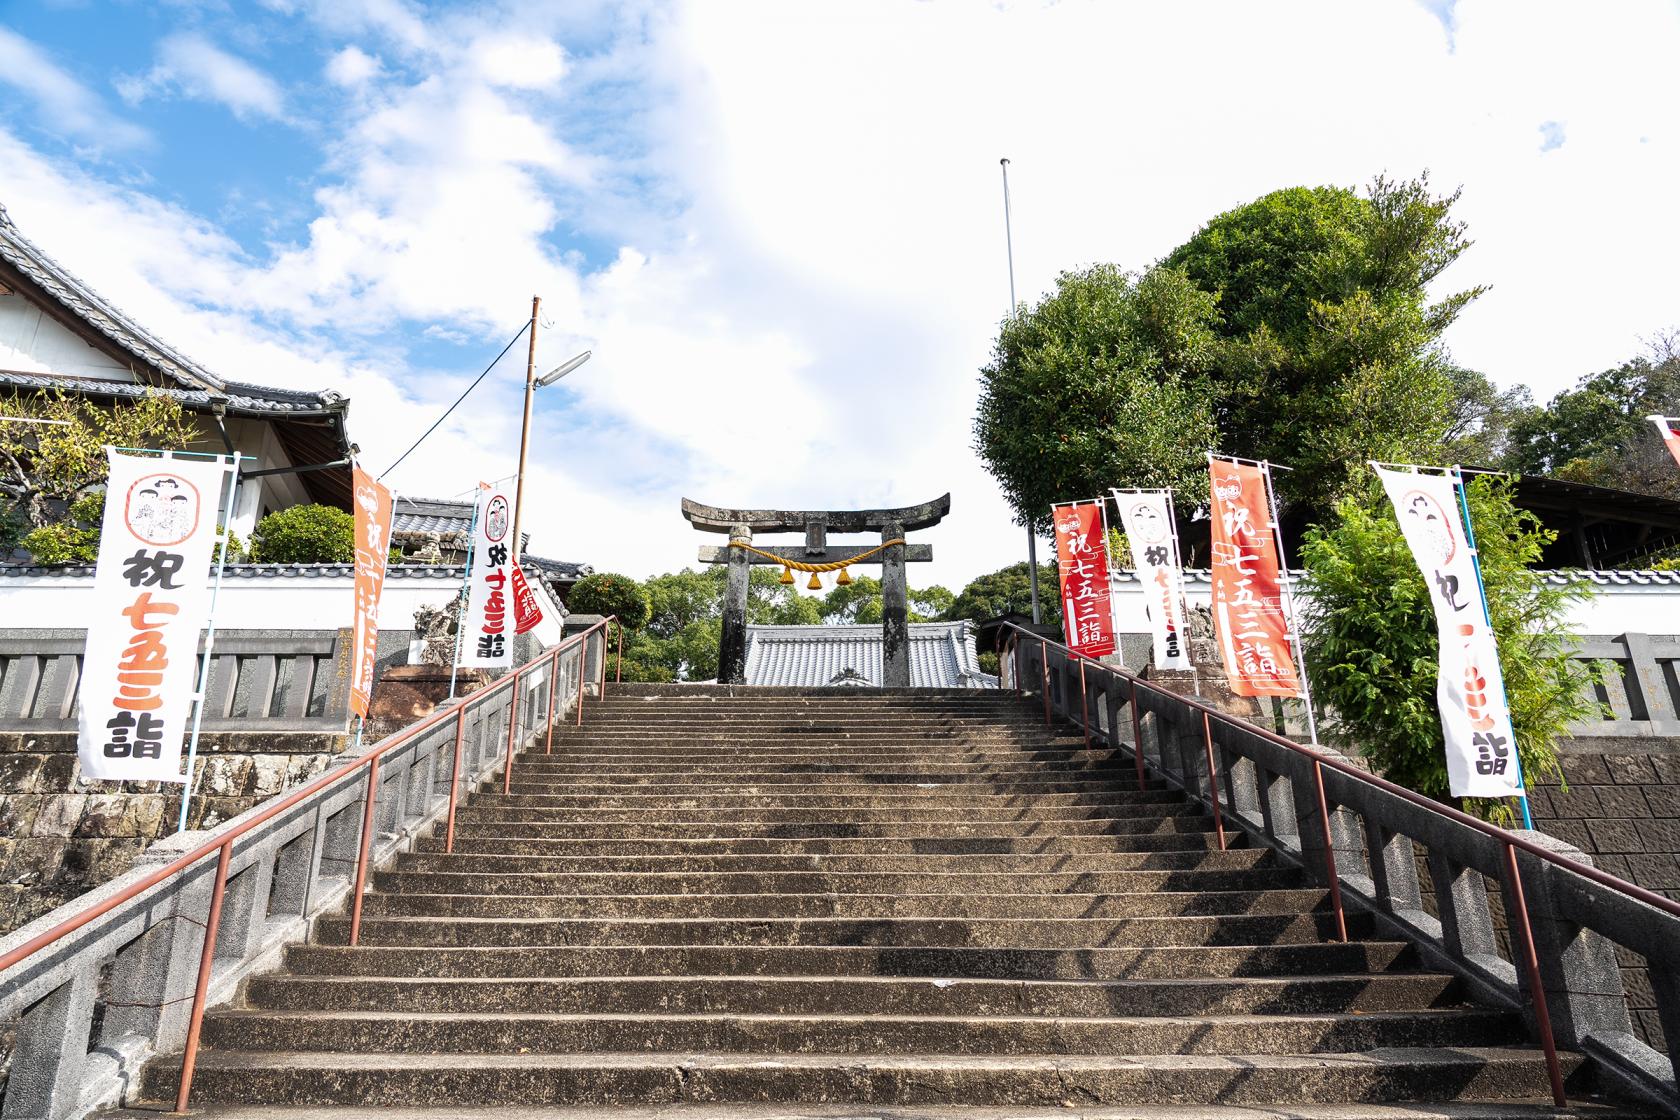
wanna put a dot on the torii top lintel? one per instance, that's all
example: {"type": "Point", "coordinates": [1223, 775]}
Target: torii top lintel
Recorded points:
{"type": "Point", "coordinates": [714, 519]}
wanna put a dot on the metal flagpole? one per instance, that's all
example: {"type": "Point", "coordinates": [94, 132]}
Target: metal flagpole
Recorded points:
{"type": "Point", "coordinates": [1032, 535]}
{"type": "Point", "coordinates": [232, 463]}
{"type": "Point", "coordinates": [466, 586]}
{"type": "Point", "coordinates": [1487, 616]}
{"type": "Point", "coordinates": [1289, 598]}
{"type": "Point", "coordinates": [1183, 595]}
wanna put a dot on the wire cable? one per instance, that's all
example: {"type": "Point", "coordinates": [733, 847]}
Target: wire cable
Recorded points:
{"type": "Point", "coordinates": [523, 328]}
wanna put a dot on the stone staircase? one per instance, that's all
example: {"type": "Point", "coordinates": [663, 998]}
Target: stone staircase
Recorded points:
{"type": "Point", "coordinates": [740, 902]}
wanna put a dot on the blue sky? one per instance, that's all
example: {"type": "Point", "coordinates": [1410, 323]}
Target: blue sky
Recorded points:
{"type": "Point", "coordinates": [778, 224]}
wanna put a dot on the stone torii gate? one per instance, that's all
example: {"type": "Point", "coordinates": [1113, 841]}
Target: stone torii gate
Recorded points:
{"type": "Point", "coordinates": [892, 524]}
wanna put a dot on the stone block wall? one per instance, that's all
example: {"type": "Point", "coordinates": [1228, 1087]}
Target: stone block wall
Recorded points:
{"type": "Point", "coordinates": [1622, 808]}
{"type": "Point", "coordinates": [60, 837]}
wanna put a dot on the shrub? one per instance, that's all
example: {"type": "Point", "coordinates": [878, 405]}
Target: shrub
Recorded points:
{"type": "Point", "coordinates": [72, 541]}
{"type": "Point", "coordinates": [310, 534]}
{"type": "Point", "coordinates": [1371, 644]}
{"type": "Point", "coordinates": [610, 593]}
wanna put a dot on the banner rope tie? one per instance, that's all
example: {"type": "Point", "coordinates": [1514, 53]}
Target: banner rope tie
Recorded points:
{"type": "Point", "coordinates": [791, 566]}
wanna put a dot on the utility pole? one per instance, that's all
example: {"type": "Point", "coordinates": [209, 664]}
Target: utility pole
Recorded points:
{"type": "Point", "coordinates": [1009, 243]}
{"type": "Point", "coordinates": [525, 429]}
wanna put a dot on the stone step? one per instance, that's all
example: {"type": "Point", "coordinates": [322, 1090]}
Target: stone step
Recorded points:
{"type": "Point", "coordinates": [1578, 1109]}
{"type": "Point", "coordinates": [808, 786]}
{"type": "Point", "coordinates": [690, 882]}
{"type": "Point", "coordinates": [917, 840]}
{"type": "Point", "coordinates": [766, 824]}
{"type": "Point", "coordinates": [484, 866]}
{"type": "Point", "coordinates": [311, 1078]}
{"type": "Point", "coordinates": [913, 996]}
{"type": "Point", "coordinates": [1376, 958]}
{"type": "Point", "coordinates": [680, 906]}
{"type": "Point", "coordinates": [1001, 933]}
{"type": "Point", "coordinates": [935, 796]}
{"type": "Point", "coordinates": [632, 777]}
{"type": "Point", "coordinates": [872, 1034]}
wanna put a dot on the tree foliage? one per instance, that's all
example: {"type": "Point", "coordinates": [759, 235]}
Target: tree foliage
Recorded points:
{"type": "Point", "coordinates": [74, 538]}
{"type": "Point", "coordinates": [1372, 650]}
{"type": "Point", "coordinates": [1008, 591]}
{"type": "Point", "coordinates": [1102, 384]}
{"type": "Point", "coordinates": [608, 593]}
{"type": "Point", "coordinates": [308, 534]}
{"type": "Point", "coordinates": [1330, 348]}
{"type": "Point", "coordinates": [1598, 433]}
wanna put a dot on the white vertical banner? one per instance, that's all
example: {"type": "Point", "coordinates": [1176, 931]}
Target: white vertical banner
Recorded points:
{"type": "Point", "coordinates": [1146, 519]}
{"type": "Point", "coordinates": [151, 600]}
{"type": "Point", "coordinates": [487, 636]}
{"type": "Point", "coordinates": [1470, 690]}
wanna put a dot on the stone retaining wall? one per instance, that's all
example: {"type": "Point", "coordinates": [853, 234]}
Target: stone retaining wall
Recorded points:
{"type": "Point", "coordinates": [60, 837]}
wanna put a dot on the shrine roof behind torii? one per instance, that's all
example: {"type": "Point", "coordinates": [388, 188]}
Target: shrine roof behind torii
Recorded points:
{"type": "Point", "coordinates": [717, 519]}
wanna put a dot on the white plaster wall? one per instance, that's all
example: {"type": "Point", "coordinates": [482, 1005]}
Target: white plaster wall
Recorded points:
{"type": "Point", "coordinates": [32, 341]}
{"type": "Point", "coordinates": [260, 603]}
{"type": "Point", "coordinates": [1613, 609]}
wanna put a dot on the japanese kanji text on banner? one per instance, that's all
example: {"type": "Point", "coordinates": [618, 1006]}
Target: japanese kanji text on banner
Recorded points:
{"type": "Point", "coordinates": [1248, 612]}
{"type": "Point", "coordinates": [487, 639]}
{"type": "Point", "coordinates": [1147, 520]}
{"type": "Point", "coordinates": [373, 548]}
{"type": "Point", "coordinates": [151, 600]}
{"type": "Point", "coordinates": [1469, 688]}
{"type": "Point", "coordinates": [1082, 559]}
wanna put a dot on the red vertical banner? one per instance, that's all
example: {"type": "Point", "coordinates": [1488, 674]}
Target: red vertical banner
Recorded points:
{"type": "Point", "coordinates": [1248, 612]}
{"type": "Point", "coordinates": [373, 548]}
{"type": "Point", "coordinates": [527, 615]}
{"type": "Point", "coordinates": [1082, 562]}
{"type": "Point", "coordinates": [1670, 435]}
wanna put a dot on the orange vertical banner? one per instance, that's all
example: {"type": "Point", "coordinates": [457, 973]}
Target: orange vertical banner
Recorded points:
{"type": "Point", "coordinates": [1248, 612]}
{"type": "Point", "coordinates": [1082, 563]}
{"type": "Point", "coordinates": [373, 549]}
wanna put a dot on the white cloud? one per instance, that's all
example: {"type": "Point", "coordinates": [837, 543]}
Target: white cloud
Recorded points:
{"type": "Point", "coordinates": [803, 217]}
{"type": "Point", "coordinates": [352, 67]}
{"type": "Point", "coordinates": [67, 105]}
{"type": "Point", "coordinates": [194, 67]}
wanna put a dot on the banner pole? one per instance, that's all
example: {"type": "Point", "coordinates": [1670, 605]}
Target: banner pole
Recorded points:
{"type": "Point", "coordinates": [1289, 598]}
{"type": "Point", "coordinates": [1183, 595]}
{"type": "Point", "coordinates": [1487, 616]}
{"type": "Point", "coordinates": [466, 584]}
{"type": "Point", "coordinates": [232, 463]}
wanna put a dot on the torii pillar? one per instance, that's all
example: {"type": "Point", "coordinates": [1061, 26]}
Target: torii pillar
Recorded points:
{"type": "Point", "coordinates": [892, 524]}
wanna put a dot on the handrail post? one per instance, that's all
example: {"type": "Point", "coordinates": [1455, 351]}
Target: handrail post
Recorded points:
{"type": "Point", "coordinates": [1519, 922]}
{"type": "Point", "coordinates": [1044, 663]}
{"type": "Point", "coordinates": [1084, 705]}
{"type": "Point", "coordinates": [206, 961]}
{"type": "Point", "coordinates": [513, 732]}
{"type": "Point", "coordinates": [553, 691]}
{"type": "Point", "coordinates": [1137, 735]}
{"type": "Point", "coordinates": [1330, 853]}
{"type": "Point", "coordinates": [362, 856]}
{"type": "Point", "coordinates": [1213, 785]}
{"type": "Point", "coordinates": [618, 660]}
{"type": "Point", "coordinates": [455, 776]}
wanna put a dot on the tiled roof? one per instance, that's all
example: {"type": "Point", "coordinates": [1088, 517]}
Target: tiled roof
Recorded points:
{"type": "Point", "coordinates": [239, 397]}
{"type": "Point", "coordinates": [430, 515]}
{"type": "Point", "coordinates": [942, 655]}
{"type": "Point", "coordinates": [1558, 576]}
{"type": "Point", "coordinates": [456, 572]}
{"type": "Point", "coordinates": [558, 569]}
{"type": "Point", "coordinates": [109, 320]}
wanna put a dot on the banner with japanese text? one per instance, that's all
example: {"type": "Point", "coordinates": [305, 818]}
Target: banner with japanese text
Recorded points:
{"type": "Point", "coordinates": [1248, 610]}
{"type": "Point", "coordinates": [373, 549]}
{"type": "Point", "coordinates": [1670, 435]}
{"type": "Point", "coordinates": [1146, 518]}
{"type": "Point", "coordinates": [151, 594]}
{"type": "Point", "coordinates": [487, 637]}
{"type": "Point", "coordinates": [1082, 563]}
{"type": "Point", "coordinates": [1469, 688]}
{"type": "Point", "coordinates": [527, 615]}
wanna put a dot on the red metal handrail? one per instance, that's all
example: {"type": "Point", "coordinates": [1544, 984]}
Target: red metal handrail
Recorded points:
{"type": "Point", "coordinates": [223, 845]}
{"type": "Point", "coordinates": [1510, 843]}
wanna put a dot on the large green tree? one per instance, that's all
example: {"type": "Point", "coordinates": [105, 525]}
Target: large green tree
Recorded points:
{"type": "Point", "coordinates": [1102, 384]}
{"type": "Point", "coordinates": [1598, 433]}
{"type": "Point", "coordinates": [1330, 347]}
{"type": "Point", "coordinates": [1008, 591]}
